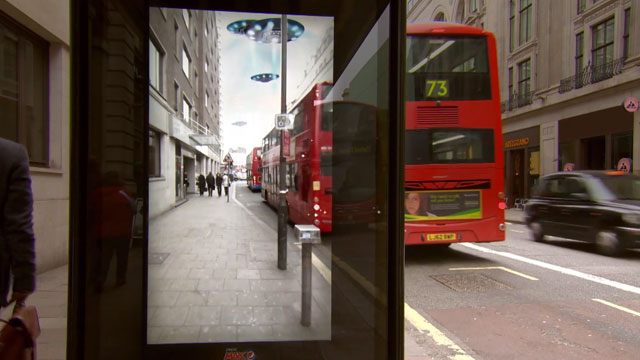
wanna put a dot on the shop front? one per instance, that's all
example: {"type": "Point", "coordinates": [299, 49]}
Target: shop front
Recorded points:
{"type": "Point", "coordinates": [596, 141]}
{"type": "Point", "coordinates": [522, 163]}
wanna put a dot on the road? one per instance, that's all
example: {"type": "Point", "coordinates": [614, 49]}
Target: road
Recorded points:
{"type": "Point", "coordinates": [515, 299]}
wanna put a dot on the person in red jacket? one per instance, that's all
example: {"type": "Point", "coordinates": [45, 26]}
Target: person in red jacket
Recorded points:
{"type": "Point", "coordinates": [114, 209]}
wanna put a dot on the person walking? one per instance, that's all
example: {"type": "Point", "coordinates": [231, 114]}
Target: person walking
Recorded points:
{"type": "Point", "coordinates": [112, 218]}
{"type": "Point", "coordinates": [185, 182]}
{"type": "Point", "coordinates": [226, 183]}
{"type": "Point", "coordinates": [211, 183]}
{"type": "Point", "coordinates": [202, 184]}
{"type": "Point", "coordinates": [219, 184]}
{"type": "Point", "coordinates": [17, 239]}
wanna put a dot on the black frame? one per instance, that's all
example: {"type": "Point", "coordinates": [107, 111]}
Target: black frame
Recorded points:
{"type": "Point", "coordinates": [81, 333]}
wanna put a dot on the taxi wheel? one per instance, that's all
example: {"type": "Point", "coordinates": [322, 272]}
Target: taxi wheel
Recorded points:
{"type": "Point", "coordinates": [608, 243]}
{"type": "Point", "coordinates": [536, 231]}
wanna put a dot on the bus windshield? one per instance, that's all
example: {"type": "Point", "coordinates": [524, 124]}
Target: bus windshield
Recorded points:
{"type": "Point", "coordinates": [447, 68]}
{"type": "Point", "coordinates": [449, 146]}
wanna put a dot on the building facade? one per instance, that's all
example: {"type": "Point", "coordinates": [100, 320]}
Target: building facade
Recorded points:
{"type": "Point", "coordinates": [184, 105]}
{"type": "Point", "coordinates": [566, 70]}
{"type": "Point", "coordinates": [34, 102]}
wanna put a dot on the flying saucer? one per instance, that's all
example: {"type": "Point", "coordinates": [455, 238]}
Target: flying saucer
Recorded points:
{"type": "Point", "coordinates": [266, 30]}
{"type": "Point", "coordinates": [265, 78]}
{"type": "Point", "coordinates": [239, 123]}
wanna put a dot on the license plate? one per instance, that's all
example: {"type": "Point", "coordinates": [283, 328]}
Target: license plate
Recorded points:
{"type": "Point", "coordinates": [441, 237]}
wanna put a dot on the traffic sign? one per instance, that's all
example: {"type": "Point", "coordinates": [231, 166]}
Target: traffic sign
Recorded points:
{"type": "Point", "coordinates": [631, 104]}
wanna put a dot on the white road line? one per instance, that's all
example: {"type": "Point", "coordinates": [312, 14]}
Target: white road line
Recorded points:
{"type": "Point", "coordinates": [560, 269]}
{"type": "Point", "coordinates": [438, 336]}
{"type": "Point", "coordinates": [516, 231]}
{"type": "Point", "coordinates": [622, 308]}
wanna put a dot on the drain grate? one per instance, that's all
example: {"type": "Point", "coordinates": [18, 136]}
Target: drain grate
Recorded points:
{"type": "Point", "coordinates": [157, 258]}
{"type": "Point", "coordinates": [469, 282]}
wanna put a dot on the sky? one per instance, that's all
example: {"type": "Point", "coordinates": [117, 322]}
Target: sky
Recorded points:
{"type": "Point", "coordinates": [253, 102]}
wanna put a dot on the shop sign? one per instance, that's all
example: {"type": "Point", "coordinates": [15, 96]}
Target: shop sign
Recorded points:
{"type": "Point", "coordinates": [516, 142]}
{"type": "Point", "coordinates": [631, 104]}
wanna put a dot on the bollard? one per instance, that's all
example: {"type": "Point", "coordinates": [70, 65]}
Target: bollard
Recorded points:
{"type": "Point", "coordinates": [307, 235]}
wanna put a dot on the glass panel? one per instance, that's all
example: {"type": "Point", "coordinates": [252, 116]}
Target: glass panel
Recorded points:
{"type": "Point", "coordinates": [203, 282]}
{"type": "Point", "coordinates": [452, 68]}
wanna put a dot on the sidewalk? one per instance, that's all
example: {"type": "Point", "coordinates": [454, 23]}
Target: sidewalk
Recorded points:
{"type": "Point", "coordinates": [514, 216]}
{"type": "Point", "coordinates": [213, 276]}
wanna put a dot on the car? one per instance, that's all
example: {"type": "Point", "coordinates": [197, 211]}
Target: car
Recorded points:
{"type": "Point", "coordinates": [601, 207]}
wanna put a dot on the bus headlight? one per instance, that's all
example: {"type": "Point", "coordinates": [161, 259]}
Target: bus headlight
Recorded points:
{"type": "Point", "coordinates": [631, 218]}
{"type": "Point", "coordinates": [316, 207]}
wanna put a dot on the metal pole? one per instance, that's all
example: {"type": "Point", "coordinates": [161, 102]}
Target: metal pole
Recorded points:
{"type": "Point", "coordinates": [282, 206]}
{"type": "Point", "coordinates": [305, 319]}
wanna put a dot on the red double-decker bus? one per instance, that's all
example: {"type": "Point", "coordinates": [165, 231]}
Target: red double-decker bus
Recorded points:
{"type": "Point", "coordinates": [254, 169]}
{"type": "Point", "coordinates": [329, 155]}
{"type": "Point", "coordinates": [454, 174]}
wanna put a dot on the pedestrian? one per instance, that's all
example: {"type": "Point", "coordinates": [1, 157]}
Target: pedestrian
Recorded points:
{"type": "Point", "coordinates": [219, 183]}
{"type": "Point", "coordinates": [211, 183]}
{"type": "Point", "coordinates": [226, 183]}
{"type": "Point", "coordinates": [113, 216]}
{"type": "Point", "coordinates": [17, 239]}
{"type": "Point", "coordinates": [202, 184]}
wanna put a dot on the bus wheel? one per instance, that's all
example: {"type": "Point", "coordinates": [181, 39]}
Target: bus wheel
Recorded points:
{"type": "Point", "coordinates": [608, 243]}
{"type": "Point", "coordinates": [537, 234]}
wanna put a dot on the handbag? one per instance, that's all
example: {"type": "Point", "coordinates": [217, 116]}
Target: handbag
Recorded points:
{"type": "Point", "coordinates": [18, 336]}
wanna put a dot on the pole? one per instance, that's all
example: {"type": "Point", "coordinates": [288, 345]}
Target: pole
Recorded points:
{"type": "Point", "coordinates": [282, 206]}
{"type": "Point", "coordinates": [305, 319]}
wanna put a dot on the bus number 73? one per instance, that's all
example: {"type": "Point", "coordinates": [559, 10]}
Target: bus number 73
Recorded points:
{"type": "Point", "coordinates": [442, 88]}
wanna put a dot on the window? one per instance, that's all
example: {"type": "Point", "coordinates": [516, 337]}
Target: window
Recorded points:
{"type": "Point", "coordinates": [579, 52]}
{"type": "Point", "coordinates": [206, 99]}
{"type": "Point", "coordinates": [439, 17]}
{"type": "Point", "coordinates": [625, 34]}
{"type": "Point", "coordinates": [186, 62]}
{"type": "Point", "coordinates": [473, 6]}
{"type": "Point", "coordinates": [186, 16]}
{"type": "Point", "coordinates": [602, 49]}
{"type": "Point", "coordinates": [512, 24]}
{"type": "Point", "coordinates": [186, 109]}
{"type": "Point", "coordinates": [155, 66]}
{"type": "Point", "coordinates": [176, 88]}
{"type": "Point", "coordinates": [154, 153]}
{"type": "Point", "coordinates": [448, 146]}
{"type": "Point", "coordinates": [206, 66]}
{"type": "Point", "coordinates": [525, 21]}
{"type": "Point", "coordinates": [581, 6]}
{"type": "Point", "coordinates": [524, 82]}
{"type": "Point", "coordinates": [24, 64]}
{"type": "Point", "coordinates": [510, 94]}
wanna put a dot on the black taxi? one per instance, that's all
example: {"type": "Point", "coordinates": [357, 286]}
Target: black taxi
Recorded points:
{"type": "Point", "coordinates": [602, 207]}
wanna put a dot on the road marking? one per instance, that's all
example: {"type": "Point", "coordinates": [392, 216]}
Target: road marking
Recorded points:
{"type": "Point", "coordinates": [508, 223]}
{"type": "Point", "coordinates": [560, 269]}
{"type": "Point", "coordinates": [634, 313]}
{"type": "Point", "coordinates": [438, 336]}
{"type": "Point", "coordinates": [497, 268]}
{"type": "Point", "coordinates": [517, 231]}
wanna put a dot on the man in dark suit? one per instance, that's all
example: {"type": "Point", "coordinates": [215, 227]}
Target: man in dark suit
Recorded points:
{"type": "Point", "coordinates": [17, 240]}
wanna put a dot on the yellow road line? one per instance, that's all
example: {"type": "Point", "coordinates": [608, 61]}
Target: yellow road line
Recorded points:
{"type": "Point", "coordinates": [622, 308]}
{"type": "Point", "coordinates": [496, 268]}
{"type": "Point", "coordinates": [423, 326]}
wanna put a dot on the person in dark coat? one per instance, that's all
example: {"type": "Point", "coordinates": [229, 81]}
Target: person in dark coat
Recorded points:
{"type": "Point", "coordinates": [202, 184]}
{"type": "Point", "coordinates": [211, 183]}
{"type": "Point", "coordinates": [17, 239]}
{"type": "Point", "coordinates": [219, 183]}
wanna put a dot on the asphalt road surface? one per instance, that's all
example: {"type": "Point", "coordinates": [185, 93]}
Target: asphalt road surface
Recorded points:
{"type": "Point", "coordinates": [515, 299]}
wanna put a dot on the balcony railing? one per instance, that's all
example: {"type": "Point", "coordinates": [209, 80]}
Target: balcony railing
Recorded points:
{"type": "Point", "coordinates": [517, 100]}
{"type": "Point", "coordinates": [591, 74]}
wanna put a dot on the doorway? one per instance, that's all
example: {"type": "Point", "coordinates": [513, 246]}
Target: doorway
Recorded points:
{"type": "Point", "coordinates": [593, 153]}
